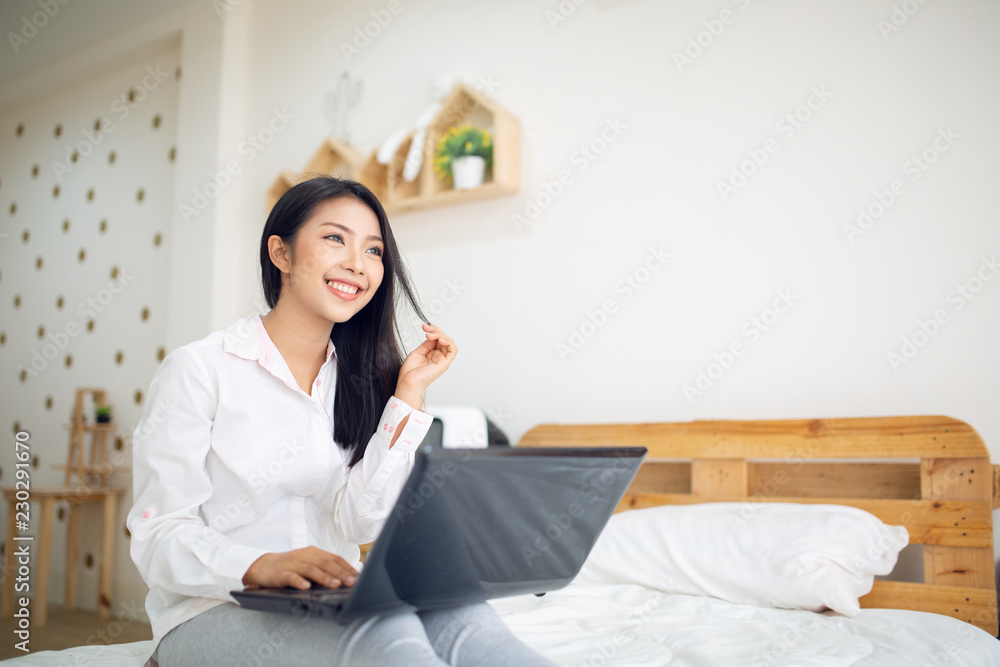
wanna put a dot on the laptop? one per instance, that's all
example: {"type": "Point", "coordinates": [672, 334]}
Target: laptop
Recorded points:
{"type": "Point", "coordinates": [476, 524]}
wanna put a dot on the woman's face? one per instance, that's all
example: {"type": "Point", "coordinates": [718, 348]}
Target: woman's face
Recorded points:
{"type": "Point", "coordinates": [335, 266]}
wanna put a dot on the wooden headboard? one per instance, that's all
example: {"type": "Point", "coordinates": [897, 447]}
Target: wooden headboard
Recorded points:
{"type": "Point", "coordinates": [930, 474]}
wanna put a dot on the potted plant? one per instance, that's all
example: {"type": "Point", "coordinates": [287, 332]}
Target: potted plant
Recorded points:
{"type": "Point", "coordinates": [463, 155]}
{"type": "Point", "coordinates": [103, 413]}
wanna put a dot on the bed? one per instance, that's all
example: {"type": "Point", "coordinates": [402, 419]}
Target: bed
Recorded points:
{"type": "Point", "coordinates": [758, 543]}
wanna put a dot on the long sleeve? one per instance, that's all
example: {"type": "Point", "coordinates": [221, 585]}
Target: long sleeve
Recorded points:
{"type": "Point", "coordinates": [171, 544]}
{"type": "Point", "coordinates": [373, 484]}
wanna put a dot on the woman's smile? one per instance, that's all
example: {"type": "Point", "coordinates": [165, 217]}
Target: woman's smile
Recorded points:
{"type": "Point", "coordinates": [344, 290]}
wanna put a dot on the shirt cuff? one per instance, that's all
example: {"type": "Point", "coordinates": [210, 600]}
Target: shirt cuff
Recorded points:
{"type": "Point", "coordinates": [415, 430]}
{"type": "Point", "coordinates": [233, 564]}
{"type": "Point", "coordinates": [385, 462]}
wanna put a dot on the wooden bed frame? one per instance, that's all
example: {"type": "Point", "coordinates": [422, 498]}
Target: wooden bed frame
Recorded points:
{"type": "Point", "coordinates": [930, 474]}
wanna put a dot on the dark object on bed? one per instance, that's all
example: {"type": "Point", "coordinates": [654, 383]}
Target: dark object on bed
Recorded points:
{"type": "Point", "coordinates": [435, 435]}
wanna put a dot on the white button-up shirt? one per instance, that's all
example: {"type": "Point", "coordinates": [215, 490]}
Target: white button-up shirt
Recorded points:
{"type": "Point", "coordinates": [233, 460]}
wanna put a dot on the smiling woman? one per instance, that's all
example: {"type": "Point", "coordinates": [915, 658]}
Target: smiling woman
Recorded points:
{"type": "Point", "coordinates": [322, 232]}
{"type": "Point", "coordinates": [283, 445]}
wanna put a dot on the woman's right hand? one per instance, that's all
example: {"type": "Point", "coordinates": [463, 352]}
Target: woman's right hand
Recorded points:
{"type": "Point", "coordinates": [297, 568]}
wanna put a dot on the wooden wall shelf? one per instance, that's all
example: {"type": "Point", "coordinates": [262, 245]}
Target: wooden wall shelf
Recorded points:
{"type": "Point", "coordinates": [462, 105]}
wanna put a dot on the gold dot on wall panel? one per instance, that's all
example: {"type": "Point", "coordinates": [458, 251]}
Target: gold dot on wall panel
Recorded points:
{"type": "Point", "coordinates": [82, 255]}
{"type": "Point", "coordinates": [119, 357]}
{"type": "Point", "coordinates": [66, 225]}
{"type": "Point", "coordinates": [156, 121]}
{"type": "Point", "coordinates": [114, 272]}
{"type": "Point", "coordinates": [74, 158]}
{"type": "Point", "coordinates": [90, 326]}
{"type": "Point", "coordinates": [3, 337]}
{"type": "Point", "coordinates": [58, 130]}
{"type": "Point", "coordinates": [97, 125]}
{"type": "Point", "coordinates": [88, 560]}
{"type": "Point", "coordinates": [59, 303]}
{"type": "Point", "coordinates": [13, 207]}
{"type": "Point", "coordinates": [25, 236]}
{"type": "Point", "coordinates": [173, 154]}
{"type": "Point", "coordinates": [140, 195]}
{"type": "Point", "coordinates": [128, 533]}
{"type": "Point", "coordinates": [104, 226]}
{"type": "Point", "coordinates": [17, 427]}
{"type": "Point", "coordinates": [131, 95]}
{"type": "Point", "coordinates": [48, 402]}
{"type": "Point", "coordinates": [23, 377]}
{"type": "Point", "coordinates": [34, 171]}
{"type": "Point", "coordinates": [55, 192]}
{"type": "Point", "coordinates": [138, 397]}
{"type": "Point", "coordinates": [111, 157]}
{"type": "Point", "coordinates": [160, 353]}
{"type": "Point", "coordinates": [157, 239]}
{"type": "Point", "coordinates": [17, 300]}
{"type": "Point", "coordinates": [41, 332]}
{"type": "Point", "coordinates": [69, 360]}
{"type": "Point", "coordinates": [177, 73]}
{"type": "Point", "coordinates": [20, 129]}
{"type": "Point", "coordinates": [38, 262]}
{"type": "Point", "coordinates": [34, 461]}
{"type": "Point", "coordinates": [145, 314]}
{"type": "Point", "coordinates": [90, 194]}
{"type": "Point", "coordinates": [61, 513]}
{"type": "Point", "coordinates": [118, 443]}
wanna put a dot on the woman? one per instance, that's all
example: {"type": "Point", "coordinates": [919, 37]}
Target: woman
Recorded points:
{"type": "Point", "coordinates": [269, 451]}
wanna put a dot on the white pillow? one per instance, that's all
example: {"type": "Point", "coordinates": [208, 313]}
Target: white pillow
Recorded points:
{"type": "Point", "coordinates": [793, 556]}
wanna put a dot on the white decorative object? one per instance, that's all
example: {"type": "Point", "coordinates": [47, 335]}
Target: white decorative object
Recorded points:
{"type": "Point", "coordinates": [415, 156]}
{"type": "Point", "coordinates": [339, 103]}
{"type": "Point", "coordinates": [467, 171]}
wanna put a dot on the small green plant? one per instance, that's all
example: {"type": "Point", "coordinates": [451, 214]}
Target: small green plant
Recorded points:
{"type": "Point", "coordinates": [459, 142]}
{"type": "Point", "coordinates": [103, 413]}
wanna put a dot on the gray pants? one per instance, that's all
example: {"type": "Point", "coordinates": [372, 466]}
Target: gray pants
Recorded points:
{"type": "Point", "coordinates": [228, 634]}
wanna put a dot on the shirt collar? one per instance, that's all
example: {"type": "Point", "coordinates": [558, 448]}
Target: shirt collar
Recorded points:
{"type": "Point", "coordinates": [247, 339]}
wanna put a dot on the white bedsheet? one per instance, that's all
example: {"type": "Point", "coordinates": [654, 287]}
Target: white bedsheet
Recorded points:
{"type": "Point", "coordinates": [590, 625]}
{"type": "Point", "coordinates": [623, 624]}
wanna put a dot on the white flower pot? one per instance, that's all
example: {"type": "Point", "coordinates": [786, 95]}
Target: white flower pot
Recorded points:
{"type": "Point", "coordinates": [467, 171]}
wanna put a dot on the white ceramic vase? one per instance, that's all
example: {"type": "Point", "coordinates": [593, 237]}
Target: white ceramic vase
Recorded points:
{"type": "Point", "coordinates": [467, 171]}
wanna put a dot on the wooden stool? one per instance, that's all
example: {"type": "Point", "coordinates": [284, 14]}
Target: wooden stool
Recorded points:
{"type": "Point", "coordinates": [75, 496]}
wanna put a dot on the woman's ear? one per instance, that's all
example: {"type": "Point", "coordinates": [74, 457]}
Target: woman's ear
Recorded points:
{"type": "Point", "coordinates": [278, 252]}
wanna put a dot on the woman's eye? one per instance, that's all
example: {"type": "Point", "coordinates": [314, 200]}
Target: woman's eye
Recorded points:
{"type": "Point", "coordinates": [334, 237]}
{"type": "Point", "coordinates": [378, 251]}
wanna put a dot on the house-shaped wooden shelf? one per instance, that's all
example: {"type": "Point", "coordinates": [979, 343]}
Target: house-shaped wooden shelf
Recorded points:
{"type": "Point", "coordinates": [462, 106]}
{"type": "Point", "coordinates": [333, 157]}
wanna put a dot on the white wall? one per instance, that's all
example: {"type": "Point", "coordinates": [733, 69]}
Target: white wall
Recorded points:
{"type": "Point", "coordinates": [684, 130]}
{"type": "Point", "coordinates": [84, 300]}
{"type": "Point", "coordinates": [183, 282]}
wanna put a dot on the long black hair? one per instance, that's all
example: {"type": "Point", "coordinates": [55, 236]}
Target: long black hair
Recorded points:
{"type": "Point", "coordinates": [368, 348]}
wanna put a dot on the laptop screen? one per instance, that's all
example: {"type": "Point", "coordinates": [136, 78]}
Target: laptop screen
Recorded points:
{"type": "Point", "coordinates": [475, 524]}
